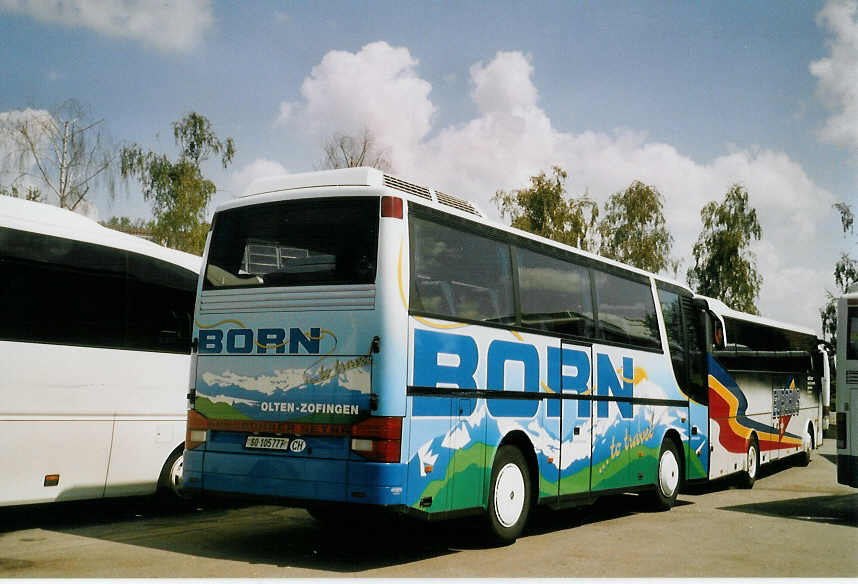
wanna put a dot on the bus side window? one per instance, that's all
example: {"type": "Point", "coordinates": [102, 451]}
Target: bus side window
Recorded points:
{"type": "Point", "coordinates": [673, 324]}
{"type": "Point", "coordinates": [459, 274]}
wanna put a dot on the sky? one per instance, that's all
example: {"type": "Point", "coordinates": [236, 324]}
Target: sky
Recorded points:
{"type": "Point", "coordinates": [472, 97]}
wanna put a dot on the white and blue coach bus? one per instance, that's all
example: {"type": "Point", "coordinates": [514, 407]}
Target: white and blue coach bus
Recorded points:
{"type": "Point", "coordinates": [365, 341]}
{"type": "Point", "coordinates": [95, 330]}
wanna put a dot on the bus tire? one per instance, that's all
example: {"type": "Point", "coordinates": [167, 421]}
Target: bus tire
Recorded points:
{"type": "Point", "coordinates": [170, 480]}
{"type": "Point", "coordinates": [509, 495]}
{"type": "Point", "coordinates": [668, 477]}
{"type": "Point", "coordinates": [752, 461]}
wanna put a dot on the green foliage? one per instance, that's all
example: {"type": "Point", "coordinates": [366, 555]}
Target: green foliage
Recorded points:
{"type": "Point", "coordinates": [724, 266]}
{"type": "Point", "coordinates": [129, 225]}
{"type": "Point", "coordinates": [177, 190]}
{"type": "Point", "coordinates": [28, 193]}
{"type": "Point", "coordinates": [634, 231]}
{"type": "Point", "coordinates": [543, 209]}
{"type": "Point", "coordinates": [845, 274]}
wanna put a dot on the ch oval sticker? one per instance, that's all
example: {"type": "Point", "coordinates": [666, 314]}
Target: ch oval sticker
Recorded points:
{"type": "Point", "coordinates": [297, 445]}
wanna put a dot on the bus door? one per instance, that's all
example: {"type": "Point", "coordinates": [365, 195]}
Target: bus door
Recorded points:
{"type": "Point", "coordinates": [697, 324]}
{"type": "Point", "coordinates": [576, 379]}
{"type": "Point", "coordinates": [467, 465]}
{"type": "Point", "coordinates": [612, 417]}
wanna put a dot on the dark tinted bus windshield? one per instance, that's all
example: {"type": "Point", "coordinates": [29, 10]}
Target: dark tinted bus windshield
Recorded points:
{"type": "Point", "coordinates": [295, 243]}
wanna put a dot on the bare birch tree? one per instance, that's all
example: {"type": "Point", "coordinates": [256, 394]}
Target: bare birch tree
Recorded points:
{"type": "Point", "coordinates": [63, 154]}
{"type": "Point", "coordinates": [344, 151]}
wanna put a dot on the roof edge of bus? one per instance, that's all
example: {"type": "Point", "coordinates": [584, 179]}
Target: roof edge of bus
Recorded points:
{"type": "Point", "coordinates": [362, 176]}
{"type": "Point", "coordinates": [42, 217]}
{"type": "Point", "coordinates": [722, 309]}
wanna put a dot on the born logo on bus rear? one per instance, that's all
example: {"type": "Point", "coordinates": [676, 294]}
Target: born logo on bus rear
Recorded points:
{"type": "Point", "coordinates": [260, 341]}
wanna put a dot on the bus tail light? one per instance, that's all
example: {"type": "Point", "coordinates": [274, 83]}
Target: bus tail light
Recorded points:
{"type": "Point", "coordinates": [391, 207]}
{"type": "Point", "coordinates": [841, 430]}
{"type": "Point", "coordinates": [197, 430]}
{"type": "Point", "coordinates": [378, 438]}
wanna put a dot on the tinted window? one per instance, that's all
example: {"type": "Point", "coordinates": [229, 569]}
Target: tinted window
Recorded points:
{"type": "Point", "coordinates": [295, 243]}
{"type": "Point", "coordinates": [160, 305]}
{"type": "Point", "coordinates": [62, 291]}
{"type": "Point", "coordinates": [555, 295]}
{"type": "Point", "coordinates": [626, 311]}
{"type": "Point", "coordinates": [671, 312]}
{"type": "Point", "coordinates": [694, 325]}
{"type": "Point", "coordinates": [459, 274]}
{"type": "Point", "coordinates": [58, 290]}
{"type": "Point", "coordinates": [748, 335]}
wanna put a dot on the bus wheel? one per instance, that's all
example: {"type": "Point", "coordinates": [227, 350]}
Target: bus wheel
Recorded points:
{"type": "Point", "coordinates": [170, 481]}
{"type": "Point", "coordinates": [806, 455]}
{"type": "Point", "coordinates": [752, 462]}
{"type": "Point", "coordinates": [509, 495]}
{"type": "Point", "coordinates": [667, 481]}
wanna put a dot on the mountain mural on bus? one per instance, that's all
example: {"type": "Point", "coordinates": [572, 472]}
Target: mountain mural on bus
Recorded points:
{"type": "Point", "coordinates": [450, 457]}
{"type": "Point", "coordinates": [292, 388]}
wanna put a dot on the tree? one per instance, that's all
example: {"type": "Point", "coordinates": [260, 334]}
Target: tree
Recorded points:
{"type": "Point", "coordinates": [543, 209]}
{"type": "Point", "coordinates": [21, 192]}
{"type": "Point", "coordinates": [64, 154]}
{"type": "Point", "coordinates": [845, 274]}
{"type": "Point", "coordinates": [140, 227]}
{"type": "Point", "coordinates": [634, 231]}
{"type": "Point", "coordinates": [724, 266]}
{"type": "Point", "coordinates": [177, 190]}
{"type": "Point", "coordinates": [343, 151]}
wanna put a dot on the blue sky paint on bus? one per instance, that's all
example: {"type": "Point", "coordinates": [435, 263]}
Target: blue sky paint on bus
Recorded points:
{"type": "Point", "coordinates": [688, 97]}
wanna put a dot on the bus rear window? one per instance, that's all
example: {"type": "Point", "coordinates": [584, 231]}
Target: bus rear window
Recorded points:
{"type": "Point", "coordinates": [295, 243]}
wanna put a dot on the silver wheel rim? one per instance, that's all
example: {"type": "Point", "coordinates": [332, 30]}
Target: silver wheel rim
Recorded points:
{"type": "Point", "coordinates": [668, 473]}
{"type": "Point", "coordinates": [752, 461]}
{"type": "Point", "coordinates": [509, 495]}
{"type": "Point", "coordinates": [176, 473]}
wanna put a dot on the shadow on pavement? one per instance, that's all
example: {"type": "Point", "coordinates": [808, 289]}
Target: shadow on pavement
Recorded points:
{"type": "Point", "coordinates": [88, 513]}
{"type": "Point", "coordinates": [833, 509]}
{"type": "Point", "coordinates": [289, 537]}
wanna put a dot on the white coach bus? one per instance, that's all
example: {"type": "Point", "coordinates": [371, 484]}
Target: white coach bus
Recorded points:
{"type": "Point", "coordinates": [768, 382]}
{"type": "Point", "coordinates": [94, 355]}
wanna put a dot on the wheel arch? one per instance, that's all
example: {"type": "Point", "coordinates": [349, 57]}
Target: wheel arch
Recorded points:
{"type": "Point", "coordinates": [521, 441]}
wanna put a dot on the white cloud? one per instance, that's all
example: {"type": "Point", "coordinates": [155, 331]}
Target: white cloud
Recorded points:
{"type": "Point", "coordinates": [259, 168]}
{"type": "Point", "coordinates": [169, 26]}
{"type": "Point", "coordinates": [512, 138]}
{"type": "Point", "coordinates": [376, 88]}
{"type": "Point", "coordinates": [837, 74]}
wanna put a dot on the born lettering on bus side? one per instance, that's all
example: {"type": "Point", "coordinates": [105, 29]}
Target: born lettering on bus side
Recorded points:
{"type": "Point", "coordinates": [259, 341]}
{"type": "Point", "coordinates": [461, 369]}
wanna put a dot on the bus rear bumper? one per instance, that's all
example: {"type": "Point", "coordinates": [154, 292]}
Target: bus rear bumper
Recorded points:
{"type": "Point", "coordinates": [293, 478]}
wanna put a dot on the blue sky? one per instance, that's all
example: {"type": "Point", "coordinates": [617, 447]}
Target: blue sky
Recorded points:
{"type": "Point", "coordinates": [474, 97]}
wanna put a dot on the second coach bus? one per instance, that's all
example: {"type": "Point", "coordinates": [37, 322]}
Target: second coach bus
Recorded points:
{"type": "Point", "coordinates": [95, 339]}
{"type": "Point", "coordinates": [362, 340]}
